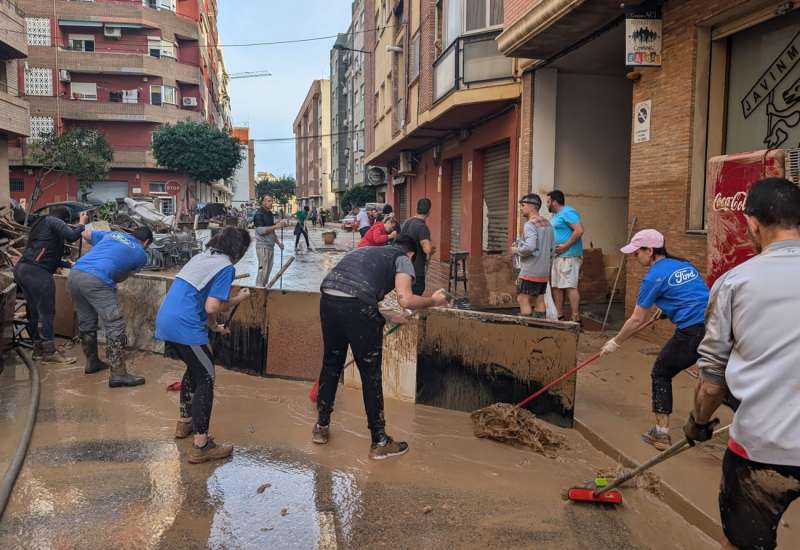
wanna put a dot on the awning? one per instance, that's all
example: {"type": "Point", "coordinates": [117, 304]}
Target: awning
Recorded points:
{"type": "Point", "coordinates": [97, 24]}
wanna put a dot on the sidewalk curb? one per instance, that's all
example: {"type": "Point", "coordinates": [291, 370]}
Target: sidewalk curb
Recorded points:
{"type": "Point", "coordinates": [671, 497]}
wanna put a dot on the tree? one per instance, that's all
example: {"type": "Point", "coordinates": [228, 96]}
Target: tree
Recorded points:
{"type": "Point", "coordinates": [357, 196]}
{"type": "Point", "coordinates": [198, 150]}
{"type": "Point", "coordinates": [80, 152]}
{"type": "Point", "coordinates": [281, 190]}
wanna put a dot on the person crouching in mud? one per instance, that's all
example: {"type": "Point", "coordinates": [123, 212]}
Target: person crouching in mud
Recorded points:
{"type": "Point", "coordinates": [189, 310]}
{"type": "Point", "coordinates": [349, 314]}
{"type": "Point", "coordinates": [678, 289]}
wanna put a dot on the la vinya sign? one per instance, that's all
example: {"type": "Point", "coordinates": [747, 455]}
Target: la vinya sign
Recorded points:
{"type": "Point", "coordinates": [643, 33]}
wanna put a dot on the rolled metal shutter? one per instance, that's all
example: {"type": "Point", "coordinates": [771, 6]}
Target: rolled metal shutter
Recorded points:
{"type": "Point", "coordinates": [455, 206]}
{"type": "Point", "coordinates": [402, 201]}
{"type": "Point", "coordinates": [495, 197]}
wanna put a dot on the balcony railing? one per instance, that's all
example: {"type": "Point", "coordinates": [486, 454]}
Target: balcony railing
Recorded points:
{"type": "Point", "coordinates": [469, 60]}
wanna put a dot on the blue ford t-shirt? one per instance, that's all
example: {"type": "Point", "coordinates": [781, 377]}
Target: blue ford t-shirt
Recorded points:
{"type": "Point", "coordinates": [113, 256]}
{"type": "Point", "coordinates": [567, 215]}
{"type": "Point", "coordinates": [182, 318]}
{"type": "Point", "coordinates": [677, 288]}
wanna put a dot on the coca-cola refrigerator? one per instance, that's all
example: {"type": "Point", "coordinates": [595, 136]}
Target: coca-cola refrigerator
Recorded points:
{"type": "Point", "coordinates": [729, 179]}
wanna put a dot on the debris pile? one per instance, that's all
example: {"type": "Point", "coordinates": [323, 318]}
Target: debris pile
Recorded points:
{"type": "Point", "coordinates": [13, 237]}
{"type": "Point", "coordinates": [520, 427]}
{"type": "Point", "coordinates": [647, 480]}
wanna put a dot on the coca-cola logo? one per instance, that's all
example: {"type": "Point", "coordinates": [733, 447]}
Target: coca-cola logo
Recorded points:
{"type": "Point", "coordinates": [733, 203]}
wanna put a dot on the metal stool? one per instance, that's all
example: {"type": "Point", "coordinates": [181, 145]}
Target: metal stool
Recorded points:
{"type": "Point", "coordinates": [457, 259]}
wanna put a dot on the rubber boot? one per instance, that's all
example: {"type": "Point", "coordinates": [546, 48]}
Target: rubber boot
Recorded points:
{"type": "Point", "coordinates": [51, 356]}
{"type": "Point", "coordinates": [118, 375]}
{"type": "Point", "coordinates": [36, 352]}
{"type": "Point", "coordinates": [89, 345]}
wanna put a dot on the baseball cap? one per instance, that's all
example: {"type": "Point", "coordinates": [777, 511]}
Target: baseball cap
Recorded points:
{"type": "Point", "coordinates": [646, 238]}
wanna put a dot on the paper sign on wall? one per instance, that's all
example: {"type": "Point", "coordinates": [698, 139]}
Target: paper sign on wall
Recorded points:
{"type": "Point", "coordinates": [641, 121]}
{"type": "Point", "coordinates": [643, 30]}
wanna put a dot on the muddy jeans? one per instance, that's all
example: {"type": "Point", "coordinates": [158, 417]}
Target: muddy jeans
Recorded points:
{"type": "Point", "coordinates": [349, 321]}
{"type": "Point", "coordinates": [266, 257]}
{"type": "Point", "coordinates": [40, 298]}
{"type": "Point", "coordinates": [197, 386]}
{"type": "Point", "coordinates": [678, 354]}
{"type": "Point", "coordinates": [92, 298]}
{"type": "Point", "coordinates": [752, 498]}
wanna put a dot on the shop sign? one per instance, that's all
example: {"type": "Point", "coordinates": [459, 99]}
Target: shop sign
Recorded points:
{"type": "Point", "coordinates": [641, 122]}
{"type": "Point", "coordinates": [376, 175]}
{"type": "Point", "coordinates": [643, 33]}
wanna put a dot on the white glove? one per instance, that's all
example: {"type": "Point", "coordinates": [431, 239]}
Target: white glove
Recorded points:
{"type": "Point", "coordinates": [609, 347]}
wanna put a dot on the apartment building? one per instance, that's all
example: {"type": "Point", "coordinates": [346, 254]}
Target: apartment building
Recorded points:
{"type": "Point", "coordinates": [444, 124]}
{"type": "Point", "coordinates": [14, 113]}
{"type": "Point", "coordinates": [341, 116]}
{"type": "Point", "coordinates": [244, 180]}
{"type": "Point", "coordinates": [123, 67]}
{"type": "Point", "coordinates": [312, 132]}
{"type": "Point", "coordinates": [724, 81]}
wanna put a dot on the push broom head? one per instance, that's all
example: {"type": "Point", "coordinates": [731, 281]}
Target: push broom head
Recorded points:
{"type": "Point", "coordinates": [580, 494]}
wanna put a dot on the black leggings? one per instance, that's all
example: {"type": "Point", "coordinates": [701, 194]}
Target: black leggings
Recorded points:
{"type": "Point", "coordinates": [678, 354]}
{"type": "Point", "coordinates": [300, 230]}
{"type": "Point", "coordinates": [349, 321]}
{"type": "Point", "coordinates": [197, 386]}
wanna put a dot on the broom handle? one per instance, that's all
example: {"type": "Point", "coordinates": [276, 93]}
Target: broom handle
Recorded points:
{"type": "Point", "coordinates": [270, 285]}
{"type": "Point", "coordinates": [676, 449]}
{"type": "Point", "coordinates": [570, 372]}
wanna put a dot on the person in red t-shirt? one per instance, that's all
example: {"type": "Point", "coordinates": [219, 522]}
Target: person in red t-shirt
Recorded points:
{"type": "Point", "coordinates": [380, 233]}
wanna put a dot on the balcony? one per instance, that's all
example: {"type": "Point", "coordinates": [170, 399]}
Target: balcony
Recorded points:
{"type": "Point", "coordinates": [15, 117]}
{"type": "Point", "coordinates": [470, 60]}
{"type": "Point", "coordinates": [110, 111]}
{"type": "Point", "coordinates": [12, 32]}
{"type": "Point", "coordinates": [132, 13]}
{"type": "Point", "coordinates": [123, 158]}
{"type": "Point", "coordinates": [123, 64]}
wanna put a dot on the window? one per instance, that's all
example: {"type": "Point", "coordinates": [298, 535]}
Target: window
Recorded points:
{"type": "Point", "coordinates": [166, 205]}
{"type": "Point", "coordinates": [41, 126]}
{"type": "Point", "coordinates": [451, 26]}
{"type": "Point", "coordinates": [86, 91]}
{"type": "Point", "coordinates": [38, 31]}
{"type": "Point", "coordinates": [157, 47]}
{"type": "Point", "coordinates": [158, 187]}
{"type": "Point", "coordinates": [17, 186]}
{"type": "Point", "coordinates": [155, 95]}
{"type": "Point", "coordinates": [81, 42]}
{"type": "Point", "coordinates": [413, 63]}
{"type": "Point", "coordinates": [163, 94]}
{"type": "Point", "coordinates": [168, 49]}
{"type": "Point", "coordinates": [483, 14]}
{"type": "Point", "coordinates": [39, 81]}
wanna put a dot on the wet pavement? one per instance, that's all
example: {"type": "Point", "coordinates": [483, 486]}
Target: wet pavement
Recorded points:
{"type": "Point", "coordinates": [104, 472]}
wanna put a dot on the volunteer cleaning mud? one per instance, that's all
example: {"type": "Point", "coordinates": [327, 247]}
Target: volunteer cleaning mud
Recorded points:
{"type": "Point", "coordinates": [676, 287]}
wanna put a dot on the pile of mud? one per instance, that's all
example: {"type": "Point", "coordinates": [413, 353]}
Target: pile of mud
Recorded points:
{"type": "Point", "coordinates": [647, 481]}
{"type": "Point", "coordinates": [509, 424]}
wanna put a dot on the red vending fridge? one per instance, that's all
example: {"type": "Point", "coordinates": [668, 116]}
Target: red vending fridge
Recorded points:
{"type": "Point", "coordinates": [729, 178]}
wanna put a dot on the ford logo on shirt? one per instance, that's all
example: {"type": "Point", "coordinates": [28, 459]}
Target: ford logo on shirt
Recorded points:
{"type": "Point", "coordinates": [683, 276]}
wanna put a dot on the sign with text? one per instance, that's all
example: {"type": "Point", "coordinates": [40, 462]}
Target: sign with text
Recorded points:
{"type": "Point", "coordinates": [641, 121]}
{"type": "Point", "coordinates": [643, 32]}
{"type": "Point", "coordinates": [173, 188]}
{"type": "Point", "coordinates": [376, 175]}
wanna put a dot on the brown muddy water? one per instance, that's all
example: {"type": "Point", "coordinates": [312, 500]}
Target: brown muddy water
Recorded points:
{"type": "Point", "coordinates": [104, 472]}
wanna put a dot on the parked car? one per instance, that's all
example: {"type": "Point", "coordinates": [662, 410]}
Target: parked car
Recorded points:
{"type": "Point", "coordinates": [74, 207]}
{"type": "Point", "coordinates": [349, 223]}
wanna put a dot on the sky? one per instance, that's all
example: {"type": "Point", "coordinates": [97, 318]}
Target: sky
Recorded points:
{"type": "Point", "coordinates": [268, 105]}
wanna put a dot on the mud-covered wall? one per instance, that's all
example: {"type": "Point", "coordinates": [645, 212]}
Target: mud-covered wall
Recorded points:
{"type": "Point", "coordinates": [467, 360]}
{"type": "Point", "coordinates": [294, 347]}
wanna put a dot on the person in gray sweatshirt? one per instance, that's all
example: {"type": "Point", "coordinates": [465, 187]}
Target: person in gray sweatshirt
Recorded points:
{"type": "Point", "coordinates": [533, 255]}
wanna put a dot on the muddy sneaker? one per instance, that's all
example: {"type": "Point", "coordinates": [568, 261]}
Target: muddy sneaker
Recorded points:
{"type": "Point", "coordinates": [51, 356]}
{"type": "Point", "coordinates": [212, 451]}
{"type": "Point", "coordinates": [183, 429]}
{"type": "Point", "coordinates": [656, 439]}
{"type": "Point", "coordinates": [387, 448]}
{"type": "Point", "coordinates": [320, 434]}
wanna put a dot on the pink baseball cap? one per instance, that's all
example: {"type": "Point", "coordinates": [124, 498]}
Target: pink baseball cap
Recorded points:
{"type": "Point", "coordinates": [646, 238]}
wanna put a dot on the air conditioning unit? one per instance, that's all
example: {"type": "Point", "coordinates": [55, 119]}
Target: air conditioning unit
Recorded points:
{"type": "Point", "coordinates": [190, 102]}
{"type": "Point", "coordinates": [64, 76]}
{"type": "Point", "coordinates": [112, 32]}
{"type": "Point", "coordinates": [406, 163]}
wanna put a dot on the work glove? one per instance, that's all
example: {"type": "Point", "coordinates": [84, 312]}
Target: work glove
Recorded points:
{"type": "Point", "coordinates": [609, 347]}
{"type": "Point", "coordinates": [699, 432]}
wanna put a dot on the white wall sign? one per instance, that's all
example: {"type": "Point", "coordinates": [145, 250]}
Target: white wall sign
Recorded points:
{"type": "Point", "coordinates": [641, 121]}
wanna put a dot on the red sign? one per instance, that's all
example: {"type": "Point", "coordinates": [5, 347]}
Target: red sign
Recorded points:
{"type": "Point", "coordinates": [729, 178]}
{"type": "Point", "coordinates": [173, 188]}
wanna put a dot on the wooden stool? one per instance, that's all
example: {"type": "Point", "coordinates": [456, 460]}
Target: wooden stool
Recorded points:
{"type": "Point", "coordinates": [457, 259]}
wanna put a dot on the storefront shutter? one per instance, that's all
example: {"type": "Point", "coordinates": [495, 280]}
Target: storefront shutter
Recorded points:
{"type": "Point", "coordinates": [402, 198]}
{"type": "Point", "coordinates": [495, 198]}
{"type": "Point", "coordinates": [455, 206]}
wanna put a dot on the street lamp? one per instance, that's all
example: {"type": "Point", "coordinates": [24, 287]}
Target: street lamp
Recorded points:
{"type": "Point", "coordinates": [346, 49]}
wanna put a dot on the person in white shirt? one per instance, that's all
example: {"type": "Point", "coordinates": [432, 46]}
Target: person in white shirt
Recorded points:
{"type": "Point", "coordinates": [362, 218]}
{"type": "Point", "coordinates": [751, 347]}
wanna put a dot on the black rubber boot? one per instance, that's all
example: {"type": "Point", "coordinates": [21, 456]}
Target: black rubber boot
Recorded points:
{"type": "Point", "coordinates": [118, 375]}
{"type": "Point", "coordinates": [89, 345]}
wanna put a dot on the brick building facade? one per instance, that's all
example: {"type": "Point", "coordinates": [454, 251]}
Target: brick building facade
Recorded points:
{"type": "Point", "coordinates": [312, 132]}
{"type": "Point", "coordinates": [123, 67]}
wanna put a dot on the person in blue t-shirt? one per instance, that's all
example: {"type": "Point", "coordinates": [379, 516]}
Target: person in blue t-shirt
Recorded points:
{"type": "Point", "coordinates": [567, 262]}
{"type": "Point", "coordinates": [189, 310]}
{"type": "Point", "coordinates": [93, 287]}
{"type": "Point", "coordinates": [676, 287]}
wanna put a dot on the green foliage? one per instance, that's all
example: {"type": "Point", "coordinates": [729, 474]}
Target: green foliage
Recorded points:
{"type": "Point", "coordinates": [357, 196]}
{"type": "Point", "coordinates": [80, 152]}
{"type": "Point", "coordinates": [198, 150]}
{"type": "Point", "coordinates": [281, 190]}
